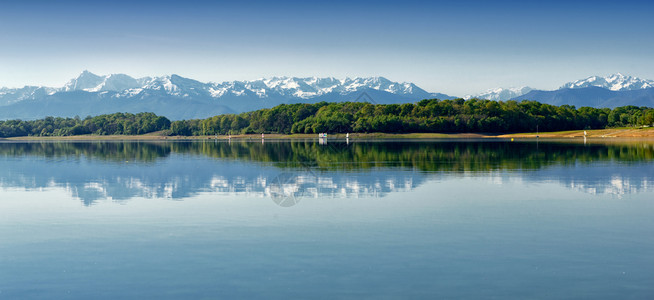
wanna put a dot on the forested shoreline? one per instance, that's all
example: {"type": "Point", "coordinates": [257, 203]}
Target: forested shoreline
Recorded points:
{"type": "Point", "coordinates": [446, 116]}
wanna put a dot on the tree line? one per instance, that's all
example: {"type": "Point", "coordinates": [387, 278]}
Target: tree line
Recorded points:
{"type": "Point", "coordinates": [113, 124]}
{"type": "Point", "coordinates": [433, 115]}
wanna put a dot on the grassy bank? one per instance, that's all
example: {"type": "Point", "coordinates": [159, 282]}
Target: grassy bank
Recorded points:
{"type": "Point", "coordinates": [624, 132]}
{"type": "Point", "coordinates": [627, 132]}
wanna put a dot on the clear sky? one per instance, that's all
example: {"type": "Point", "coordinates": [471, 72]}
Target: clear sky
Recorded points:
{"type": "Point", "coordinates": [454, 47]}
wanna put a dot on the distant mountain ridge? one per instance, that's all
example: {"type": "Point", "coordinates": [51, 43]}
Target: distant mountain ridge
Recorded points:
{"type": "Point", "coordinates": [610, 91]}
{"type": "Point", "coordinates": [596, 91]}
{"type": "Point", "coordinates": [177, 97]}
{"type": "Point", "coordinates": [592, 96]}
{"type": "Point", "coordinates": [181, 98]}
{"type": "Point", "coordinates": [501, 93]}
{"type": "Point", "coordinates": [615, 82]}
{"type": "Point", "coordinates": [290, 86]}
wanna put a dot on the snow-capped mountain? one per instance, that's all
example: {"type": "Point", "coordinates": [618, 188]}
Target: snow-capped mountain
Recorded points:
{"type": "Point", "coordinates": [9, 96]}
{"type": "Point", "coordinates": [178, 97]}
{"type": "Point", "coordinates": [615, 82]}
{"type": "Point", "coordinates": [90, 82]}
{"type": "Point", "coordinates": [303, 88]}
{"type": "Point", "coordinates": [501, 93]}
{"type": "Point", "coordinates": [595, 91]}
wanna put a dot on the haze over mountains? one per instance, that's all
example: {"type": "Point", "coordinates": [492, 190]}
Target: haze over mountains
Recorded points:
{"type": "Point", "coordinates": [177, 97]}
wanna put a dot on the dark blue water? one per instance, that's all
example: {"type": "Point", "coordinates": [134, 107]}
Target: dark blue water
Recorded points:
{"type": "Point", "coordinates": [430, 220]}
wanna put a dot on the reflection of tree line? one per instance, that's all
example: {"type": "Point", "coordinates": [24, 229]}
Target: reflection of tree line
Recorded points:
{"type": "Point", "coordinates": [111, 151]}
{"type": "Point", "coordinates": [359, 169]}
{"type": "Point", "coordinates": [422, 156]}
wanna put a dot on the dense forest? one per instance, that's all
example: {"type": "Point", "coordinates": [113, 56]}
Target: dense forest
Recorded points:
{"type": "Point", "coordinates": [433, 115]}
{"type": "Point", "coordinates": [118, 123]}
{"type": "Point", "coordinates": [425, 116]}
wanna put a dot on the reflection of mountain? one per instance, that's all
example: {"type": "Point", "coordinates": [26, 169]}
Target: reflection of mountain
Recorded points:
{"type": "Point", "coordinates": [287, 171]}
{"type": "Point", "coordinates": [616, 185]}
{"type": "Point", "coordinates": [182, 176]}
{"type": "Point", "coordinates": [603, 178]}
{"type": "Point", "coordinates": [305, 184]}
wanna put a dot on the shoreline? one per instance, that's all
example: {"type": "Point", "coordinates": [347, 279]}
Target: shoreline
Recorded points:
{"type": "Point", "coordinates": [620, 133]}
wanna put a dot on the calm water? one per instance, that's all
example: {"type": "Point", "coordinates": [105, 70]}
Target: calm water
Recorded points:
{"type": "Point", "coordinates": [431, 219]}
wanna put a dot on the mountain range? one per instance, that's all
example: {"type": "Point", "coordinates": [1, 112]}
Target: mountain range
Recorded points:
{"type": "Point", "coordinates": [575, 92]}
{"type": "Point", "coordinates": [177, 97]}
{"type": "Point", "coordinates": [595, 91]}
{"type": "Point", "coordinates": [501, 93]}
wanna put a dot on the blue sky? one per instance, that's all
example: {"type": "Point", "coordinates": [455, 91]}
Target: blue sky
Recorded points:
{"type": "Point", "coordinates": [453, 47]}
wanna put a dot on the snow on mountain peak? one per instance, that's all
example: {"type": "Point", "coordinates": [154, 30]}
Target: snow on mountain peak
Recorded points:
{"type": "Point", "coordinates": [121, 86]}
{"type": "Point", "coordinates": [501, 94]}
{"type": "Point", "coordinates": [89, 82]}
{"type": "Point", "coordinates": [308, 87]}
{"type": "Point", "coordinates": [175, 85]}
{"type": "Point", "coordinates": [614, 82]}
{"type": "Point", "coordinates": [85, 80]}
{"type": "Point", "coordinates": [118, 82]}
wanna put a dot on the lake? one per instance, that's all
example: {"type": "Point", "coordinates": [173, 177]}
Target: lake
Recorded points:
{"type": "Point", "coordinates": [454, 219]}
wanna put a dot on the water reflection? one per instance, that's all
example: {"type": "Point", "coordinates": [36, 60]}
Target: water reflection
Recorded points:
{"type": "Point", "coordinates": [288, 172]}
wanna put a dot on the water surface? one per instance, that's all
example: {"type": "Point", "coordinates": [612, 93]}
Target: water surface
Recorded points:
{"type": "Point", "coordinates": [428, 219]}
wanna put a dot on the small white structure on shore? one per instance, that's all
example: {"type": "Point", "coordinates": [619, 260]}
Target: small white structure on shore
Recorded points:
{"type": "Point", "coordinates": [322, 135]}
